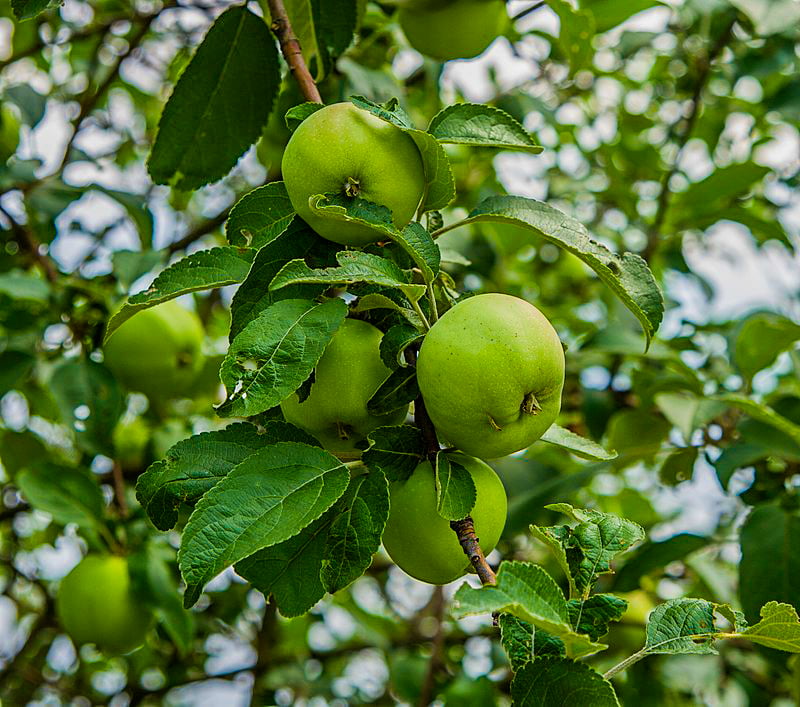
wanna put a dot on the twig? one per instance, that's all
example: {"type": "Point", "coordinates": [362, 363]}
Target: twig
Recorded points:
{"type": "Point", "coordinates": [528, 11]}
{"type": "Point", "coordinates": [625, 664]}
{"type": "Point", "coordinates": [28, 242]}
{"type": "Point", "coordinates": [421, 417]}
{"type": "Point", "coordinates": [694, 112]}
{"type": "Point", "coordinates": [119, 489]}
{"type": "Point", "coordinates": [290, 48]}
{"type": "Point", "coordinates": [437, 647]}
{"type": "Point", "coordinates": [465, 529]}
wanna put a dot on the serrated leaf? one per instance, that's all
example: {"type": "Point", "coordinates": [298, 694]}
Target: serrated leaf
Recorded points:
{"type": "Point", "coordinates": [399, 389]}
{"type": "Point", "coordinates": [204, 270]}
{"type": "Point", "coordinates": [275, 353]}
{"type": "Point", "coordinates": [194, 465]}
{"type": "Point", "coordinates": [440, 184]}
{"type": "Point", "coordinates": [27, 9]}
{"type": "Point", "coordinates": [481, 125]}
{"type": "Point", "coordinates": [356, 529]}
{"type": "Point", "coordinates": [577, 445]}
{"type": "Point", "coordinates": [290, 571]}
{"type": "Point", "coordinates": [260, 216]}
{"type": "Point", "coordinates": [560, 682]}
{"type": "Point", "coordinates": [681, 626]}
{"type": "Point", "coordinates": [586, 550]}
{"type": "Point", "coordinates": [778, 628]}
{"type": "Point", "coordinates": [90, 401]}
{"type": "Point", "coordinates": [455, 490]}
{"type": "Point", "coordinates": [592, 616]}
{"type": "Point", "coordinates": [395, 450]}
{"type": "Point", "coordinates": [761, 412]}
{"type": "Point", "coordinates": [220, 104]}
{"type": "Point", "coordinates": [523, 642]}
{"type": "Point", "coordinates": [68, 495]}
{"type": "Point", "coordinates": [253, 297]}
{"type": "Point", "coordinates": [266, 499]}
{"type": "Point", "coordinates": [396, 340]}
{"type": "Point", "coordinates": [627, 275]}
{"type": "Point", "coordinates": [529, 593]}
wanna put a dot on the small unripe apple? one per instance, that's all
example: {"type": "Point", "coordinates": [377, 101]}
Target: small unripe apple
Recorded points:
{"type": "Point", "coordinates": [491, 371]}
{"type": "Point", "coordinates": [421, 542]}
{"type": "Point", "coordinates": [346, 377]}
{"type": "Point", "coordinates": [344, 150]}
{"type": "Point", "coordinates": [95, 604]}
{"type": "Point", "coordinates": [158, 351]}
{"type": "Point", "coordinates": [131, 440]}
{"type": "Point", "coordinates": [460, 29]}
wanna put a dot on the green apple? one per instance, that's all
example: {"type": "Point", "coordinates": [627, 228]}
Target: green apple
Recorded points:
{"type": "Point", "coordinates": [421, 542]}
{"type": "Point", "coordinates": [131, 439]}
{"type": "Point", "coordinates": [158, 351]}
{"type": "Point", "coordinates": [346, 377]}
{"type": "Point", "coordinates": [95, 604]}
{"type": "Point", "coordinates": [491, 371]}
{"type": "Point", "coordinates": [457, 30]}
{"type": "Point", "coordinates": [344, 150]}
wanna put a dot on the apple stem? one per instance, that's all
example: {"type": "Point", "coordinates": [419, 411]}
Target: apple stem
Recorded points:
{"type": "Point", "coordinates": [290, 48]}
{"type": "Point", "coordinates": [465, 530]}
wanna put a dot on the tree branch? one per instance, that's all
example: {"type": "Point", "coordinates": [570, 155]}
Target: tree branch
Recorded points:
{"type": "Point", "coordinates": [290, 48]}
{"type": "Point", "coordinates": [429, 683]}
{"type": "Point", "coordinates": [465, 529]}
{"type": "Point", "coordinates": [694, 112]}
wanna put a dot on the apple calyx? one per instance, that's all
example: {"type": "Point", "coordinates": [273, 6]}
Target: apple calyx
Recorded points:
{"type": "Point", "coordinates": [352, 187]}
{"type": "Point", "coordinates": [530, 405]}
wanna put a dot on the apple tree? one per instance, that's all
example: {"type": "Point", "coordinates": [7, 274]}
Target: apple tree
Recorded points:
{"type": "Point", "coordinates": [400, 352]}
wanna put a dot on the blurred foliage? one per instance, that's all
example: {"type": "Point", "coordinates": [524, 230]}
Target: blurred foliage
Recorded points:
{"type": "Point", "coordinates": [671, 133]}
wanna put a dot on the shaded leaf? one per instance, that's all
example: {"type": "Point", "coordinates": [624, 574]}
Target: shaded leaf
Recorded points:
{"type": "Point", "coordinates": [592, 616]}
{"type": "Point", "coordinates": [395, 450]}
{"type": "Point", "coordinates": [69, 495]}
{"type": "Point", "coordinates": [260, 216]}
{"type": "Point", "coordinates": [651, 556]}
{"type": "Point", "coordinates": [399, 389]}
{"type": "Point", "coordinates": [396, 340]}
{"type": "Point", "coordinates": [560, 682]}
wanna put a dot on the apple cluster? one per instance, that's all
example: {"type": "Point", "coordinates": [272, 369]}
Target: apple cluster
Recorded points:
{"type": "Point", "coordinates": [490, 370]}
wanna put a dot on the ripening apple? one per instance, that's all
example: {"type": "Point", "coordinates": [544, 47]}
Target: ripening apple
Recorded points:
{"type": "Point", "coordinates": [491, 371]}
{"type": "Point", "coordinates": [421, 542]}
{"type": "Point", "coordinates": [95, 604]}
{"type": "Point", "coordinates": [344, 150]}
{"type": "Point", "coordinates": [346, 377]}
{"type": "Point", "coordinates": [158, 351]}
{"type": "Point", "coordinates": [460, 29]}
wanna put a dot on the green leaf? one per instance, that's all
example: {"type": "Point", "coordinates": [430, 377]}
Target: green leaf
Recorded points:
{"type": "Point", "coordinates": [15, 366]}
{"type": "Point", "coordinates": [32, 104]}
{"type": "Point", "coordinates": [399, 389]}
{"type": "Point", "coordinates": [290, 571]}
{"type": "Point", "coordinates": [779, 628]}
{"type": "Point", "coordinates": [204, 270]}
{"type": "Point", "coordinates": [253, 297]}
{"type": "Point", "coordinates": [354, 266]}
{"type": "Point", "coordinates": [681, 626]}
{"type": "Point", "coordinates": [422, 249]}
{"type": "Point", "coordinates": [651, 556]}
{"type": "Point", "coordinates": [529, 593]}
{"type": "Point", "coordinates": [560, 682]}
{"type": "Point", "coordinates": [523, 642]}
{"type": "Point", "coordinates": [24, 286]}
{"type": "Point", "coordinates": [297, 114]}
{"type": "Point", "coordinates": [762, 413]}
{"type": "Point", "coordinates": [90, 401]}
{"type": "Point", "coordinates": [610, 13]}
{"type": "Point", "coordinates": [770, 566]}
{"type": "Point", "coordinates": [130, 265]}
{"type": "Point", "coordinates": [260, 216]}
{"type": "Point", "coordinates": [395, 450]}
{"type": "Point", "coordinates": [481, 125]}
{"type": "Point", "coordinates": [272, 356]}
{"type": "Point", "coordinates": [324, 30]}
{"type": "Point", "coordinates": [627, 275]}
{"type": "Point", "coordinates": [220, 104]}
{"type": "Point", "coordinates": [26, 9]}
{"type": "Point", "coordinates": [358, 521]}
{"type": "Point", "coordinates": [586, 550]}
{"type": "Point", "coordinates": [440, 187]}
{"type": "Point", "coordinates": [193, 466]}
{"type": "Point", "coordinates": [68, 495]}
{"type": "Point", "coordinates": [577, 445]}
{"type": "Point", "coordinates": [268, 498]}
{"type": "Point", "coordinates": [678, 466]}
{"type": "Point", "coordinates": [760, 339]}
{"type": "Point", "coordinates": [396, 340]}
{"type": "Point", "coordinates": [577, 29]}
{"type": "Point", "coordinates": [688, 412]}
{"type": "Point", "coordinates": [592, 616]}
{"type": "Point", "coordinates": [770, 16]}
{"type": "Point", "coordinates": [455, 490]}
